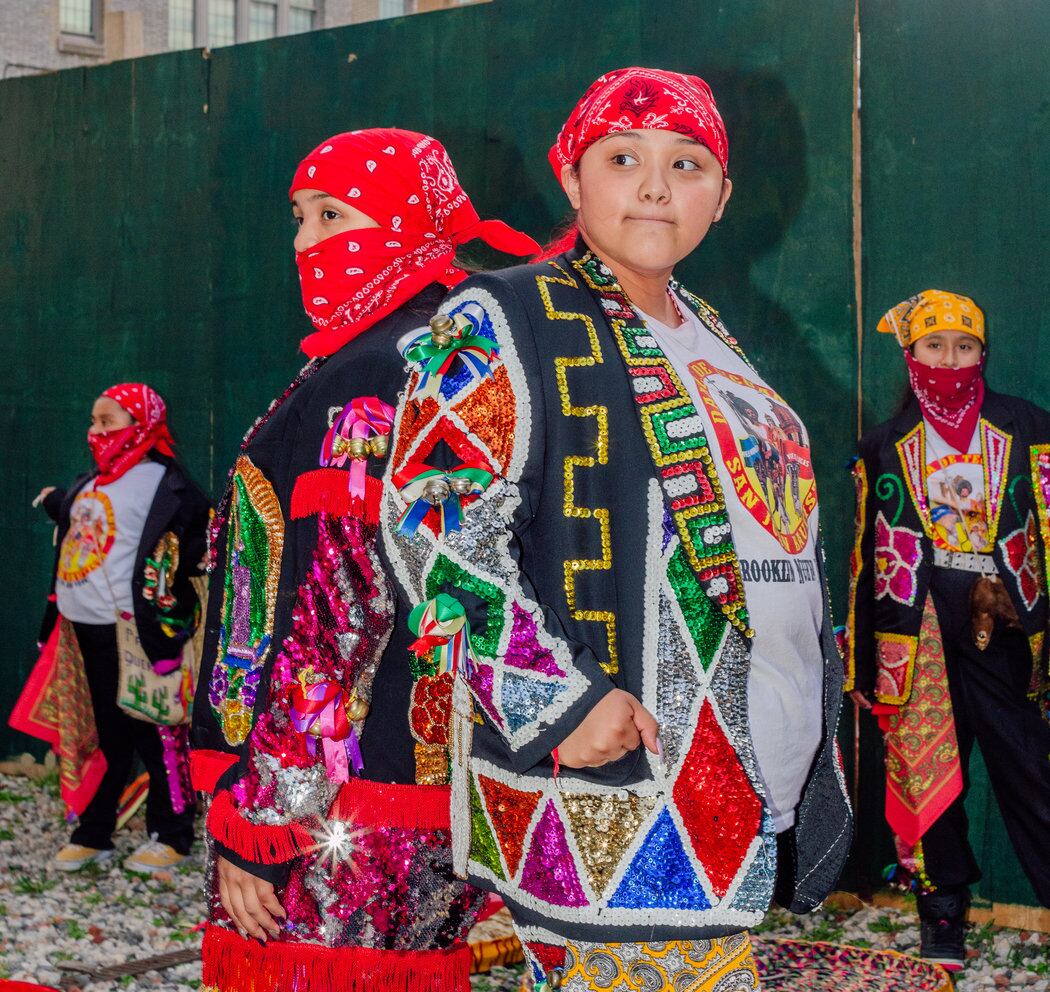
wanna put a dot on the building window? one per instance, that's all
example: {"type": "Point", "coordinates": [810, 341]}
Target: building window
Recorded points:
{"type": "Point", "coordinates": [180, 24]}
{"type": "Point", "coordinates": [302, 16]}
{"type": "Point", "coordinates": [392, 8]}
{"type": "Point", "coordinates": [77, 17]}
{"type": "Point", "coordinates": [262, 19]}
{"type": "Point", "coordinates": [222, 22]}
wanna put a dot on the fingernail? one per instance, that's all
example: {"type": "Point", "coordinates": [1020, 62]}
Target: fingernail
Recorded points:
{"type": "Point", "coordinates": [660, 751]}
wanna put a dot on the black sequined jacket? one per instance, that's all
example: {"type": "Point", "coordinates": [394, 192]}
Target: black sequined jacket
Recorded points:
{"type": "Point", "coordinates": [599, 556]}
{"type": "Point", "coordinates": [893, 555]}
{"type": "Point", "coordinates": [170, 552]}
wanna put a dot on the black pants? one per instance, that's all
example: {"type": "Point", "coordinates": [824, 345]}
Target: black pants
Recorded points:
{"type": "Point", "coordinates": [120, 737]}
{"type": "Point", "coordinates": [990, 705]}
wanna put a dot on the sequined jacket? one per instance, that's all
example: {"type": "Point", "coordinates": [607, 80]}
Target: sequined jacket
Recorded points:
{"type": "Point", "coordinates": [299, 602]}
{"type": "Point", "coordinates": [170, 551]}
{"type": "Point", "coordinates": [892, 559]}
{"type": "Point", "coordinates": [600, 555]}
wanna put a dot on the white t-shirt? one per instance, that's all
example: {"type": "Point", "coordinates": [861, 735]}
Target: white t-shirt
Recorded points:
{"type": "Point", "coordinates": [955, 489]}
{"type": "Point", "coordinates": [97, 560]}
{"type": "Point", "coordinates": [761, 450]}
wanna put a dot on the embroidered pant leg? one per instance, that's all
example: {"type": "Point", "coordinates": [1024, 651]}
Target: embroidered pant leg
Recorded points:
{"type": "Point", "coordinates": [168, 783]}
{"type": "Point", "coordinates": [725, 964]}
{"type": "Point", "coordinates": [98, 646]}
{"type": "Point", "coordinates": [989, 697]}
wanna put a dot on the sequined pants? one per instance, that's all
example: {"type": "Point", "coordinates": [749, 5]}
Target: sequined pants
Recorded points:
{"type": "Point", "coordinates": [722, 964]}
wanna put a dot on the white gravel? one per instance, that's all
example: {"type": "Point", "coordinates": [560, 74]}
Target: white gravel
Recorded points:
{"type": "Point", "coordinates": [104, 916]}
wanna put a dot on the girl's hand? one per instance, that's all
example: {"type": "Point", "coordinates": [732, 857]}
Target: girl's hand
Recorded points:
{"type": "Point", "coordinates": [43, 494]}
{"type": "Point", "coordinates": [251, 902]}
{"type": "Point", "coordinates": [861, 699]}
{"type": "Point", "coordinates": [616, 726]}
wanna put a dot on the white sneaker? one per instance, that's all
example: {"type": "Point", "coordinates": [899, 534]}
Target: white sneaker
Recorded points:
{"type": "Point", "coordinates": [153, 856]}
{"type": "Point", "coordinates": [73, 857]}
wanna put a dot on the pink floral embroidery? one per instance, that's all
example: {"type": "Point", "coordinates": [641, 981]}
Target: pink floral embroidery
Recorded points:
{"type": "Point", "coordinates": [898, 552]}
{"type": "Point", "coordinates": [895, 658]}
{"type": "Point", "coordinates": [1021, 556]}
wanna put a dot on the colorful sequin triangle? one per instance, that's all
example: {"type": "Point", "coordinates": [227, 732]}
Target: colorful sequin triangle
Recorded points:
{"type": "Point", "coordinates": [524, 699]}
{"type": "Point", "coordinates": [661, 876]}
{"type": "Point", "coordinates": [483, 847]}
{"type": "Point", "coordinates": [717, 803]}
{"type": "Point", "coordinates": [511, 812]}
{"type": "Point", "coordinates": [489, 410]}
{"type": "Point", "coordinates": [603, 827]}
{"type": "Point", "coordinates": [524, 649]}
{"type": "Point", "coordinates": [447, 576]}
{"type": "Point", "coordinates": [549, 872]}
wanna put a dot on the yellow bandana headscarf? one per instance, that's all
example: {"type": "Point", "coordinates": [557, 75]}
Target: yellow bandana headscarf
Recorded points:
{"type": "Point", "coordinates": [933, 310]}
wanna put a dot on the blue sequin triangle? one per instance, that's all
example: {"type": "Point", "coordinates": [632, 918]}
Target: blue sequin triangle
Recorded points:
{"type": "Point", "coordinates": [661, 875]}
{"type": "Point", "coordinates": [523, 699]}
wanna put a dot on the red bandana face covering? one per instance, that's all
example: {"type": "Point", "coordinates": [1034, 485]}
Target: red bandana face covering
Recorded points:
{"type": "Point", "coordinates": [950, 399]}
{"type": "Point", "coordinates": [117, 451]}
{"type": "Point", "coordinates": [406, 183]}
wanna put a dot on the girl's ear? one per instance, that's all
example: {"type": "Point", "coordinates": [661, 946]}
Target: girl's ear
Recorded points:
{"type": "Point", "coordinates": [570, 182]}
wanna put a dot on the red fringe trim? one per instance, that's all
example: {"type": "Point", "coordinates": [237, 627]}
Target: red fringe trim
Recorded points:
{"type": "Point", "coordinates": [327, 490]}
{"type": "Point", "coordinates": [384, 804]}
{"type": "Point", "coordinates": [235, 964]}
{"type": "Point", "coordinates": [255, 842]}
{"type": "Point", "coordinates": [207, 767]}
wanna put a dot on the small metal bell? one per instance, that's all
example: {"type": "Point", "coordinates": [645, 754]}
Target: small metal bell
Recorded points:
{"type": "Point", "coordinates": [358, 447]}
{"type": "Point", "coordinates": [357, 709]}
{"type": "Point", "coordinates": [462, 486]}
{"type": "Point", "coordinates": [436, 491]}
{"type": "Point", "coordinates": [380, 445]}
{"type": "Point", "coordinates": [441, 330]}
{"type": "Point", "coordinates": [555, 978]}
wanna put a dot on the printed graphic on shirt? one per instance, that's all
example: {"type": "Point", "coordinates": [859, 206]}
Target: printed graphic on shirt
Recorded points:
{"type": "Point", "coordinates": [92, 530]}
{"type": "Point", "coordinates": [955, 486]}
{"type": "Point", "coordinates": [765, 449]}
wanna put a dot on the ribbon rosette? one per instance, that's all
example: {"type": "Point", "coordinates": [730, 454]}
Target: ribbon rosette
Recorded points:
{"type": "Point", "coordinates": [361, 429]}
{"type": "Point", "coordinates": [436, 350]}
{"type": "Point", "coordinates": [317, 710]}
{"type": "Point", "coordinates": [441, 628]}
{"type": "Point", "coordinates": [425, 488]}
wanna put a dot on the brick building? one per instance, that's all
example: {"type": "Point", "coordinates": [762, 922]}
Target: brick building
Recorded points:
{"type": "Point", "coordinates": [44, 35]}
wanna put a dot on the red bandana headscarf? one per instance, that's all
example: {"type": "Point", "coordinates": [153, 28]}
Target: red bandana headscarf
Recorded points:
{"type": "Point", "coordinates": [637, 99]}
{"type": "Point", "coordinates": [117, 451]}
{"type": "Point", "coordinates": [406, 183]}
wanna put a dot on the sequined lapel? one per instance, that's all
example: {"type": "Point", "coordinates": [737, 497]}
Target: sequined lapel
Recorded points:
{"type": "Point", "coordinates": [675, 434]}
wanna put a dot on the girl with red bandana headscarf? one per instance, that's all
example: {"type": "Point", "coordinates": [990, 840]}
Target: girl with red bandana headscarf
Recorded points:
{"type": "Point", "coordinates": [641, 571]}
{"type": "Point", "coordinates": [131, 536]}
{"type": "Point", "coordinates": [948, 609]}
{"type": "Point", "coordinates": [330, 866]}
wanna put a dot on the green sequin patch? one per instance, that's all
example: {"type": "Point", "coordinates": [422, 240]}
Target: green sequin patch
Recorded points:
{"type": "Point", "coordinates": [447, 576]}
{"type": "Point", "coordinates": [672, 442]}
{"type": "Point", "coordinates": [483, 847]}
{"type": "Point", "coordinates": [700, 527]}
{"type": "Point", "coordinates": [706, 624]}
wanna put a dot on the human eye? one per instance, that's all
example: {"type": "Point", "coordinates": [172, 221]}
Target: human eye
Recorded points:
{"type": "Point", "coordinates": [687, 165]}
{"type": "Point", "coordinates": [329, 214]}
{"type": "Point", "coordinates": [624, 158]}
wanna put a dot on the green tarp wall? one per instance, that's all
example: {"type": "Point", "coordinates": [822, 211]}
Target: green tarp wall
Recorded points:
{"type": "Point", "coordinates": [145, 232]}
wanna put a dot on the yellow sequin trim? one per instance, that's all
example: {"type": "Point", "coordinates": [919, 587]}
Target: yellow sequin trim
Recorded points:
{"type": "Point", "coordinates": [860, 476]}
{"type": "Point", "coordinates": [600, 457]}
{"type": "Point", "coordinates": [912, 645]}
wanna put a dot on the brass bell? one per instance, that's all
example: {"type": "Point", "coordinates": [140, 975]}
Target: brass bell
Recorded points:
{"type": "Point", "coordinates": [441, 330]}
{"type": "Point", "coordinates": [380, 445]}
{"type": "Point", "coordinates": [462, 486]}
{"type": "Point", "coordinates": [357, 709]}
{"type": "Point", "coordinates": [358, 447]}
{"type": "Point", "coordinates": [436, 491]}
{"type": "Point", "coordinates": [555, 978]}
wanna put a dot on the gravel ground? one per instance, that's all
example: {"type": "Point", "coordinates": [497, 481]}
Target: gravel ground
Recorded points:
{"type": "Point", "coordinates": [103, 916]}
